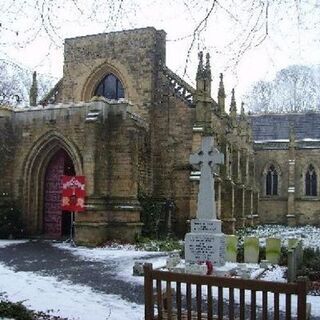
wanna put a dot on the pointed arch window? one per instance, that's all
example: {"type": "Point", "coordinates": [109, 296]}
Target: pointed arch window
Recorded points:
{"type": "Point", "coordinates": [311, 181]}
{"type": "Point", "coordinates": [110, 87]}
{"type": "Point", "coordinates": [272, 181]}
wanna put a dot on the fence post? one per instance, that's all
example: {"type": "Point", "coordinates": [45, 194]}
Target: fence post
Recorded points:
{"type": "Point", "coordinates": [302, 300]}
{"type": "Point", "coordinates": [148, 292]}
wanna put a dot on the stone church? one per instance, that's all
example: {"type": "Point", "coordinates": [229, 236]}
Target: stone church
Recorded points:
{"type": "Point", "coordinates": [120, 117]}
{"type": "Point", "coordinates": [287, 160]}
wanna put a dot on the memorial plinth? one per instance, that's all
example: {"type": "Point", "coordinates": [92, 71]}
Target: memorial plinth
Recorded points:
{"type": "Point", "coordinates": [206, 242]}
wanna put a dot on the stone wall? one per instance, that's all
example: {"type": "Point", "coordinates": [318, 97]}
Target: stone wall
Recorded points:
{"type": "Point", "coordinates": [276, 209]}
{"type": "Point", "coordinates": [8, 144]}
{"type": "Point", "coordinates": [103, 142]}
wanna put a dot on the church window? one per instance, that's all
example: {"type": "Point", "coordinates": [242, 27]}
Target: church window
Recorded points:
{"type": "Point", "coordinates": [311, 181]}
{"type": "Point", "coordinates": [272, 181]}
{"type": "Point", "coordinates": [110, 87]}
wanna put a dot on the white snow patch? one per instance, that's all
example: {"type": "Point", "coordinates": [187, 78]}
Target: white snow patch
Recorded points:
{"type": "Point", "coordinates": [272, 141]}
{"type": "Point", "coordinates": [107, 253]}
{"type": "Point", "coordinates": [76, 302]}
{"type": "Point", "coordinates": [124, 257]}
{"type": "Point", "coordinates": [6, 243]}
{"type": "Point", "coordinates": [308, 139]}
{"type": "Point", "coordinates": [276, 273]}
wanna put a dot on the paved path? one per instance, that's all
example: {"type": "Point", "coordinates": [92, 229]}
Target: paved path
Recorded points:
{"type": "Point", "coordinates": [43, 258]}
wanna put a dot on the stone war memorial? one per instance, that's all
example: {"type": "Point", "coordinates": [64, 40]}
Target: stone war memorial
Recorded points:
{"type": "Point", "coordinates": [206, 243]}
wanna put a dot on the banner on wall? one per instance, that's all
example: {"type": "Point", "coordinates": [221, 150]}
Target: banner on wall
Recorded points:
{"type": "Point", "coordinates": [73, 193]}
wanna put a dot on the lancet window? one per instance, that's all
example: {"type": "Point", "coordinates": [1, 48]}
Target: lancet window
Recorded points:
{"type": "Point", "coordinates": [272, 181]}
{"type": "Point", "coordinates": [311, 181]}
{"type": "Point", "coordinates": [110, 87]}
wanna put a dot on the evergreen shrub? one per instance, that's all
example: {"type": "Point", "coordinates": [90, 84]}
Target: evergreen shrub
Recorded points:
{"type": "Point", "coordinates": [10, 219]}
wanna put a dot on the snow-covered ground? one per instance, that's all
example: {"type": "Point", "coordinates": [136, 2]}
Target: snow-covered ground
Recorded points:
{"type": "Point", "coordinates": [80, 302]}
{"type": "Point", "coordinates": [5, 243]}
{"type": "Point", "coordinates": [67, 300]}
{"type": "Point", "coordinates": [309, 235]}
{"type": "Point", "coordinates": [42, 293]}
{"type": "Point", "coordinates": [124, 256]}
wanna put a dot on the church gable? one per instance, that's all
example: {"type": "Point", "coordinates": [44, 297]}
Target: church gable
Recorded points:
{"type": "Point", "coordinates": [132, 56]}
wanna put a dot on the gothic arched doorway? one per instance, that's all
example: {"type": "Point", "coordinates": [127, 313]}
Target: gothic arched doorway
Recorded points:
{"type": "Point", "coordinates": [56, 223]}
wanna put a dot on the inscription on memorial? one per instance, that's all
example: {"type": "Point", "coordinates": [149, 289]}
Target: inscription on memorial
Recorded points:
{"type": "Point", "coordinates": [205, 226]}
{"type": "Point", "coordinates": [205, 247]}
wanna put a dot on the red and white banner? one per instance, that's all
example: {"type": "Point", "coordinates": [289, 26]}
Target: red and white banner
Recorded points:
{"type": "Point", "coordinates": [73, 193]}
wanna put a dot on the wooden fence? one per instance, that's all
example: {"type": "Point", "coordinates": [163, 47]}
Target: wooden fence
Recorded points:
{"type": "Point", "coordinates": [172, 297]}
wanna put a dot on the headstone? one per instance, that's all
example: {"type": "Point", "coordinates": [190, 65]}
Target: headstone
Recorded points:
{"type": "Point", "coordinates": [138, 268]}
{"type": "Point", "coordinates": [292, 242]}
{"type": "Point", "coordinates": [299, 249]}
{"type": "Point", "coordinates": [273, 250]}
{"type": "Point", "coordinates": [251, 250]}
{"type": "Point", "coordinates": [173, 260]}
{"type": "Point", "coordinates": [292, 266]}
{"type": "Point", "coordinates": [206, 242]}
{"type": "Point", "coordinates": [196, 268]}
{"type": "Point", "coordinates": [243, 271]}
{"type": "Point", "coordinates": [231, 248]}
{"type": "Point", "coordinates": [264, 264]}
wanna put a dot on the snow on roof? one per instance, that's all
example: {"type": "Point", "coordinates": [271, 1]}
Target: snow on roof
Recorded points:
{"type": "Point", "coordinates": [273, 141]}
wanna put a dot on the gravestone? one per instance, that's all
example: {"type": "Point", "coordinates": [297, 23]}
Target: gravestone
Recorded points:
{"type": "Point", "coordinates": [206, 242]}
{"type": "Point", "coordinates": [273, 250]}
{"type": "Point", "coordinates": [231, 248]}
{"type": "Point", "coordinates": [251, 250]}
{"type": "Point", "coordinates": [138, 268]}
{"type": "Point", "coordinates": [292, 242]}
{"type": "Point", "coordinates": [200, 268]}
{"type": "Point", "coordinates": [173, 260]}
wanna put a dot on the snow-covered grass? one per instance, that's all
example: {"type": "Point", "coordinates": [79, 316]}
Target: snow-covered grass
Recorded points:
{"type": "Point", "coordinates": [309, 235]}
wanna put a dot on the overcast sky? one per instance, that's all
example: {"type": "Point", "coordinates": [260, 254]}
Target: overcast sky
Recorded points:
{"type": "Point", "coordinates": [248, 40]}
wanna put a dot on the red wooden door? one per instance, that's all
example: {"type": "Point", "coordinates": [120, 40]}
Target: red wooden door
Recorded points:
{"type": "Point", "coordinates": [52, 196]}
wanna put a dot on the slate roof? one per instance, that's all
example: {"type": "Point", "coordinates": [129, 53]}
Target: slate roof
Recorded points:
{"type": "Point", "coordinates": [276, 126]}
